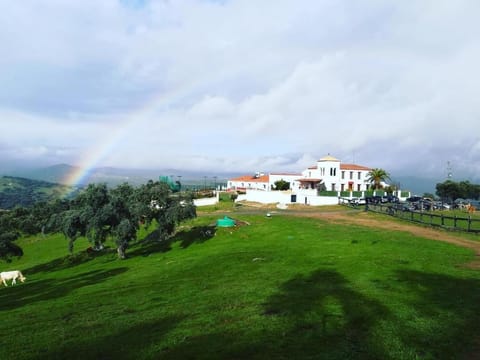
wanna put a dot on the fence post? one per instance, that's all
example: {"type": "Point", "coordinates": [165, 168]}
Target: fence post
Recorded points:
{"type": "Point", "coordinates": [454, 221]}
{"type": "Point", "coordinates": [469, 223]}
{"type": "Point", "coordinates": [443, 220]}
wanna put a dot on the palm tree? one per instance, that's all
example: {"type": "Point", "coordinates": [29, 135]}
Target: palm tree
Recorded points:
{"type": "Point", "coordinates": [377, 176]}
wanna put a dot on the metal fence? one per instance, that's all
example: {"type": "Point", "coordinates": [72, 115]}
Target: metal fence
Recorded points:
{"type": "Point", "coordinates": [460, 223]}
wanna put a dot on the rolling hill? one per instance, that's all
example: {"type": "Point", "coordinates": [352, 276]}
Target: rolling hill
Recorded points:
{"type": "Point", "coordinates": [17, 191]}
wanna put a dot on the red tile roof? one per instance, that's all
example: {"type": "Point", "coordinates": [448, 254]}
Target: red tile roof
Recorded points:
{"type": "Point", "coordinates": [287, 174]}
{"type": "Point", "coordinates": [251, 178]}
{"type": "Point", "coordinates": [353, 167]}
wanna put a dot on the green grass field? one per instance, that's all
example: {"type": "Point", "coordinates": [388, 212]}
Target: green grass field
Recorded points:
{"type": "Point", "coordinates": [276, 288]}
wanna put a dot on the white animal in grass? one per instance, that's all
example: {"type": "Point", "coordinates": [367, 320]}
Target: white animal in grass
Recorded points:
{"type": "Point", "coordinates": [12, 275]}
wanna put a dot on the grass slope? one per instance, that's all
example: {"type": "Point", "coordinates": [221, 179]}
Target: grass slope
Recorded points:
{"type": "Point", "coordinates": [282, 287]}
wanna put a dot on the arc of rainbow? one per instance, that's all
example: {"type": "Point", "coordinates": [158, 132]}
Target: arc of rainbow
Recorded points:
{"type": "Point", "coordinates": [93, 156]}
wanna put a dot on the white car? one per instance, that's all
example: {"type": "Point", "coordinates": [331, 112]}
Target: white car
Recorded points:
{"type": "Point", "coordinates": [358, 201]}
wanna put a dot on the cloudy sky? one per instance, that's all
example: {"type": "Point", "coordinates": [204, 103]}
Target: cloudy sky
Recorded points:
{"type": "Point", "coordinates": [241, 85]}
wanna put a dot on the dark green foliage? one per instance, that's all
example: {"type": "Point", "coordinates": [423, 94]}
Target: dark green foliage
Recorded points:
{"type": "Point", "coordinates": [73, 226]}
{"type": "Point", "coordinates": [451, 190]}
{"type": "Point", "coordinates": [282, 185]}
{"type": "Point", "coordinates": [155, 202]}
{"type": "Point", "coordinates": [125, 232]}
{"type": "Point", "coordinates": [7, 247]}
{"type": "Point", "coordinates": [99, 213]}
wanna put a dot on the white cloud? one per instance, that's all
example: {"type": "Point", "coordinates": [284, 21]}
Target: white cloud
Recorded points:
{"type": "Point", "coordinates": [242, 85]}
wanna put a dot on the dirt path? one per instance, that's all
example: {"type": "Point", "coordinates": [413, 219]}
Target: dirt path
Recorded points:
{"type": "Point", "coordinates": [365, 219]}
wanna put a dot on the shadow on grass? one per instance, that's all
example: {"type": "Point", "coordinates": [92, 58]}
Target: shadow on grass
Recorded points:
{"type": "Point", "coordinates": [311, 317]}
{"type": "Point", "coordinates": [43, 290]}
{"type": "Point", "coordinates": [447, 317]}
{"type": "Point", "coordinates": [67, 261]}
{"type": "Point", "coordinates": [127, 344]}
{"type": "Point", "coordinates": [152, 244]}
{"type": "Point", "coordinates": [327, 316]}
{"type": "Point", "coordinates": [196, 235]}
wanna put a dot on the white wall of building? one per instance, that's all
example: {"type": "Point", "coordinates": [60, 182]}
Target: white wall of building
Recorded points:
{"type": "Point", "coordinates": [305, 197]}
{"type": "Point", "coordinates": [266, 197]}
{"type": "Point", "coordinates": [207, 201]}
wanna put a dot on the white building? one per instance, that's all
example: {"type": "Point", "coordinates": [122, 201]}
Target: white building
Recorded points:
{"type": "Point", "coordinates": [330, 174]}
{"type": "Point", "coordinates": [327, 174]}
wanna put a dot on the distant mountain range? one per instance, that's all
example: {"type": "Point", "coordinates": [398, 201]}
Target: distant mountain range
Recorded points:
{"type": "Point", "coordinates": [416, 185]}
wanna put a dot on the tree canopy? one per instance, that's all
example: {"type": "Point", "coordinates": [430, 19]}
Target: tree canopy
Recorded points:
{"type": "Point", "coordinates": [451, 190]}
{"type": "Point", "coordinates": [281, 185]}
{"type": "Point", "coordinates": [99, 213]}
{"type": "Point", "coordinates": [376, 176]}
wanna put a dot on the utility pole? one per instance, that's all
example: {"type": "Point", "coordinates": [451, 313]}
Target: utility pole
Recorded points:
{"type": "Point", "coordinates": [449, 170]}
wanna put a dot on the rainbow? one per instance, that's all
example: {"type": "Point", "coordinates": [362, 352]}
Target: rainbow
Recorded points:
{"type": "Point", "coordinates": [93, 157]}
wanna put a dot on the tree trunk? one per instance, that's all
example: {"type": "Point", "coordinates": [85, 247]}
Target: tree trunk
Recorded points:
{"type": "Point", "coordinates": [70, 246]}
{"type": "Point", "coordinates": [121, 252]}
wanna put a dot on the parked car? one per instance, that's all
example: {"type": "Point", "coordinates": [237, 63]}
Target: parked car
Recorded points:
{"type": "Point", "coordinates": [373, 199]}
{"type": "Point", "coordinates": [390, 199]}
{"type": "Point", "coordinates": [357, 201]}
{"type": "Point", "coordinates": [440, 205]}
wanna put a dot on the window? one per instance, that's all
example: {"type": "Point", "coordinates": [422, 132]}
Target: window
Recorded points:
{"type": "Point", "coordinates": [359, 187]}
{"type": "Point", "coordinates": [333, 171]}
{"type": "Point", "coordinates": [343, 175]}
{"type": "Point", "coordinates": [333, 187]}
{"type": "Point", "coordinates": [351, 175]}
{"type": "Point", "coordinates": [359, 175]}
{"type": "Point", "coordinates": [342, 187]}
{"type": "Point", "coordinates": [322, 171]}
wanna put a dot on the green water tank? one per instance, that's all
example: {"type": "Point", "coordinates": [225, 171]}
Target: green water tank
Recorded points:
{"type": "Point", "coordinates": [225, 222]}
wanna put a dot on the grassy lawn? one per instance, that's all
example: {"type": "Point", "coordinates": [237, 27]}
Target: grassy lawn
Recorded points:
{"type": "Point", "coordinates": [275, 288]}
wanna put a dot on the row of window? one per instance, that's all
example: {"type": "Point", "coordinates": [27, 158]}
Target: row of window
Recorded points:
{"type": "Point", "coordinates": [333, 172]}
{"type": "Point", "coordinates": [359, 175]}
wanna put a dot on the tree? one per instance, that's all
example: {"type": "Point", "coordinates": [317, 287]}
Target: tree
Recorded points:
{"type": "Point", "coordinates": [8, 248]}
{"type": "Point", "coordinates": [96, 214]}
{"type": "Point", "coordinates": [281, 185]}
{"type": "Point", "coordinates": [73, 225]}
{"type": "Point", "coordinates": [377, 176]}
{"type": "Point", "coordinates": [451, 190]}
{"type": "Point", "coordinates": [125, 232]}
{"type": "Point", "coordinates": [156, 202]}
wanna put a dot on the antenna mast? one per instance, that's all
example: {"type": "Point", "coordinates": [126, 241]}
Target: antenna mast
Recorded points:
{"type": "Point", "coordinates": [449, 170]}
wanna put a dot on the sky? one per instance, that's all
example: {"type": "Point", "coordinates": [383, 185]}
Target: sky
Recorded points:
{"type": "Point", "coordinates": [241, 85]}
